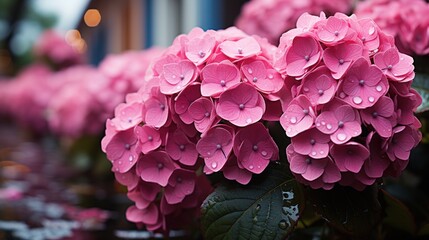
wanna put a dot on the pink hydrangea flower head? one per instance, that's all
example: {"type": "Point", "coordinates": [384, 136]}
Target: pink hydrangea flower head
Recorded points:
{"type": "Point", "coordinates": [255, 148]}
{"type": "Point", "coordinates": [332, 30]}
{"type": "Point", "coordinates": [180, 148]}
{"type": "Point", "coordinates": [233, 171]}
{"type": "Point", "coordinates": [218, 77]}
{"type": "Point", "coordinates": [148, 215]}
{"type": "Point", "coordinates": [156, 109]}
{"type": "Point", "coordinates": [128, 179]}
{"type": "Point", "coordinates": [363, 84]}
{"type": "Point", "coordinates": [184, 100]}
{"type": "Point", "coordinates": [298, 116]}
{"type": "Point", "coordinates": [242, 105]}
{"type": "Point", "coordinates": [127, 115]}
{"type": "Point", "coordinates": [215, 147]}
{"type": "Point", "coordinates": [304, 53]}
{"type": "Point", "coordinates": [156, 167]}
{"type": "Point", "coordinates": [401, 143]}
{"type": "Point", "coordinates": [199, 49]}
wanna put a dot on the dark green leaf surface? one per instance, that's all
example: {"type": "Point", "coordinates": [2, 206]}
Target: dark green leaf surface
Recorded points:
{"type": "Point", "coordinates": [421, 85]}
{"type": "Point", "coordinates": [267, 208]}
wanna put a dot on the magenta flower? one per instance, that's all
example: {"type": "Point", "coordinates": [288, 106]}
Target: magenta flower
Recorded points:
{"type": "Point", "coordinates": [203, 112]}
{"type": "Point", "coordinates": [255, 148]}
{"type": "Point", "coordinates": [144, 194]}
{"type": "Point", "coordinates": [148, 215]}
{"type": "Point", "coordinates": [380, 116]}
{"type": "Point", "coordinates": [149, 139]}
{"type": "Point", "coordinates": [218, 77]}
{"type": "Point", "coordinates": [156, 109]}
{"type": "Point", "coordinates": [215, 147]}
{"type": "Point", "coordinates": [232, 171]}
{"type": "Point", "coordinates": [199, 49]}
{"type": "Point", "coordinates": [180, 185]}
{"type": "Point", "coordinates": [378, 160]}
{"type": "Point", "coordinates": [332, 30]}
{"type": "Point", "coordinates": [363, 84]}
{"type": "Point", "coordinates": [156, 167]}
{"type": "Point", "coordinates": [180, 148]}
{"type": "Point", "coordinates": [127, 115]}
{"type": "Point", "coordinates": [304, 53]}
{"type": "Point", "coordinates": [184, 100]}
{"type": "Point", "coordinates": [298, 116]}
{"type": "Point", "coordinates": [338, 58]}
{"type": "Point", "coordinates": [341, 123]}
{"type": "Point", "coordinates": [401, 143]}
{"type": "Point", "coordinates": [128, 179]}
{"type": "Point", "coordinates": [367, 32]}
{"type": "Point", "coordinates": [244, 48]}
{"type": "Point", "coordinates": [121, 151]}
{"type": "Point", "coordinates": [395, 65]}
{"type": "Point", "coordinates": [263, 77]}
{"type": "Point", "coordinates": [350, 156]}
{"type": "Point", "coordinates": [241, 105]}
{"type": "Point", "coordinates": [312, 143]}
{"type": "Point", "coordinates": [176, 76]}
{"type": "Point", "coordinates": [319, 86]}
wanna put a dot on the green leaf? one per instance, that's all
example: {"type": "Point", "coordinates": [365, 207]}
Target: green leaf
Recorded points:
{"type": "Point", "coordinates": [421, 85]}
{"type": "Point", "coordinates": [397, 214]}
{"type": "Point", "coordinates": [350, 211]}
{"type": "Point", "coordinates": [267, 208]}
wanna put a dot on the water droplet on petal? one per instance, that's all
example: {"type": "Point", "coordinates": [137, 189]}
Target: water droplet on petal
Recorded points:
{"type": "Point", "coordinates": [371, 99]}
{"type": "Point", "coordinates": [306, 89]}
{"type": "Point", "coordinates": [341, 136]}
{"type": "Point", "coordinates": [317, 124]}
{"type": "Point", "coordinates": [258, 207]}
{"type": "Point", "coordinates": [214, 165]}
{"type": "Point", "coordinates": [323, 123]}
{"type": "Point", "coordinates": [313, 153]}
{"type": "Point", "coordinates": [289, 130]}
{"type": "Point", "coordinates": [264, 153]}
{"type": "Point", "coordinates": [371, 30]}
{"type": "Point", "coordinates": [251, 167]}
{"type": "Point", "coordinates": [119, 162]}
{"type": "Point", "coordinates": [248, 120]}
{"type": "Point", "coordinates": [342, 95]}
{"type": "Point", "coordinates": [131, 158]}
{"type": "Point", "coordinates": [357, 100]}
{"type": "Point", "coordinates": [379, 88]}
{"type": "Point", "coordinates": [293, 120]}
{"type": "Point", "coordinates": [322, 152]}
{"type": "Point", "coordinates": [259, 166]}
{"type": "Point", "coordinates": [270, 76]}
{"type": "Point", "coordinates": [249, 70]}
{"type": "Point", "coordinates": [329, 126]}
{"type": "Point", "coordinates": [283, 224]}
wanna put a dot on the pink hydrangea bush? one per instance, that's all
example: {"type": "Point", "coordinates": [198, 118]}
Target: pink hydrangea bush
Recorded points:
{"type": "Point", "coordinates": [203, 109]}
{"type": "Point", "coordinates": [351, 118]}
{"type": "Point", "coordinates": [406, 20]}
{"type": "Point", "coordinates": [25, 97]}
{"type": "Point", "coordinates": [77, 105]}
{"type": "Point", "coordinates": [53, 47]}
{"type": "Point", "coordinates": [271, 18]}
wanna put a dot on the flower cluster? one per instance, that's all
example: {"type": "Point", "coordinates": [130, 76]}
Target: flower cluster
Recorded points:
{"type": "Point", "coordinates": [406, 20]}
{"type": "Point", "coordinates": [53, 48]}
{"type": "Point", "coordinates": [271, 18]}
{"type": "Point", "coordinates": [351, 117]}
{"type": "Point", "coordinates": [203, 107]}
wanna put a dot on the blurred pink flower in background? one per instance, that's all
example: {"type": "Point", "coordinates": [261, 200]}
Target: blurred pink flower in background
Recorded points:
{"type": "Point", "coordinates": [406, 20]}
{"type": "Point", "coordinates": [271, 18]}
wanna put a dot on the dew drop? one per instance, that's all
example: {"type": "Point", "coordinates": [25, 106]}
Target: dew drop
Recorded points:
{"type": "Point", "coordinates": [249, 70]}
{"type": "Point", "coordinates": [222, 83]}
{"type": "Point", "coordinates": [116, 169]}
{"type": "Point", "coordinates": [342, 95]}
{"type": "Point", "coordinates": [251, 167]}
{"type": "Point", "coordinates": [378, 88]}
{"type": "Point", "coordinates": [317, 124]}
{"type": "Point", "coordinates": [322, 152]}
{"type": "Point", "coordinates": [218, 146]}
{"type": "Point", "coordinates": [270, 76]}
{"type": "Point", "coordinates": [293, 120]}
{"type": "Point", "coordinates": [149, 138]}
{"type": "Point", "coordinates": [258, 166]}
{"type": "Point", "coordinates": [248, 120]}
{"type": "Point", "coordinates": [174, 76]}
{"type": "Point", "coordinates": [255, 79]}
{"type": "Point", "coordinates": [283, 224]}
{"type": "Point", "coordinates": [160, 166]}
{"type": "Point", "coordinates": [131, 158]}
{"type": "Point", "coordinates": [329, 126]}
{"type": "Point", "coordinates": [264, 153]}
{"type": "Point", "coordinates": [209, 153]}
{"type": "Point", "coordinates": [323, 123]}
{"type": "Point", "coordinates": [341, 136]}
{"type": "Point", "coordinates": [119, 162]}
{"type": "Point", "coordinates": [306, 89]}
{"type": "Point", "coordinates": [371, 99]}
{"type": "Point", "coordinates": [258, 207]}
{"type": "Point", "coordinates": [313, 153]}
{"type": "Point", "coordinates": [357, 100]}
{"type": "Point", "coordinates": [214, 165]}
{"type": "Point", "coordinates": [202, 54]}
{"type": "Point", "coordinates": [289, 130]}
{"type": "Point", "coordinates": [371, 30]}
